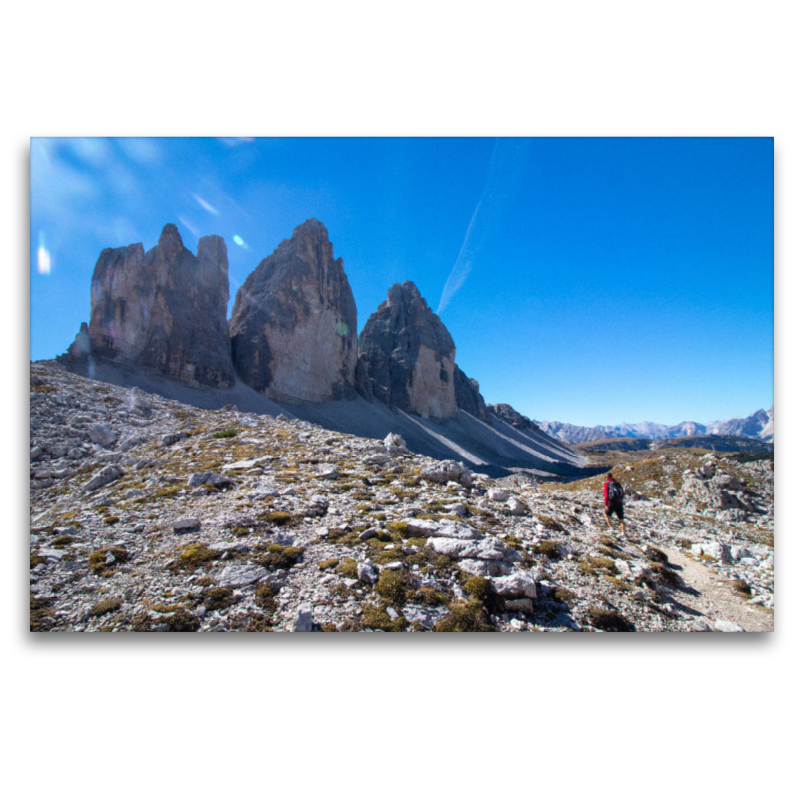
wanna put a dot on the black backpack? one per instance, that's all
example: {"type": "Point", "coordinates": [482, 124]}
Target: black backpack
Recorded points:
{"type": "Point", "coordinates": [615, 492]}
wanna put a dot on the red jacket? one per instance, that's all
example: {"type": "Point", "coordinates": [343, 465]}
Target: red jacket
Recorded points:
{"type": "Point", "coordinates": [605, 491]}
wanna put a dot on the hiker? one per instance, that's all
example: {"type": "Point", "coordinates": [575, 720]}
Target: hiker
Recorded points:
{"type": "Point", "coordinates": [613, 496]}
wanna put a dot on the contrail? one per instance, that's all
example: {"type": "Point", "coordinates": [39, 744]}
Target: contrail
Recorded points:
{"type": "Point", "coordinates": [506, 169]}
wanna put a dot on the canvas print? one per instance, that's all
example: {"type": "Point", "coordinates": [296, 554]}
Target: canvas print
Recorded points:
{"type": "Point", "coordinates": [379, 385]}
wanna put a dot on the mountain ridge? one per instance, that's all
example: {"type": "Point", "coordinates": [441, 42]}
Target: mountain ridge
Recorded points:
{"type": "Point", "coordinates": [758, 425]}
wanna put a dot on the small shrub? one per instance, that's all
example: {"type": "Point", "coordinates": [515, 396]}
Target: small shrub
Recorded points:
{"type": "Point", "coordinates": [97, 560]}
{"type": "Point", "coordinates": [265, 597]}
{"type": "Point", "coordinates": [278, 518]}
{"type": "Point", "coordinates": [428, 596]}
{"type": "Point", "coordinates": [226, 434]}
{"type": "Point", "coordinates": [465, 617]}
{"type": "Point", "coordinates": [564, 596]}
{"type": "Point", "coordinates": [62, 541]}
{"type": "Point", "coordinates": [392, 585]}
{"type": "Point", "coordinates": [195, 555]}
{"type": "Point", "coordinates": [280, 556]}
{"type": "Point", "coordinates": [398, 527]}
{"type": "Point", "coordinates": [327, 563]}
{"type": "Point", "coordinates": [106, 606]}
{"type": "Point", "coordinates": [217, 598]}
{"type": "Point", "coordinates": [40, 619]}
{"type": "Point", "coordinates": [477, 587]}
{"type": "Point", "coordinates": [609, 620]}
{"type": "Point", "coordinates": [376, 617]}
{"type": "Point", "coordinates": [741, 586]}
{"type": "Point", "coordinates": [547, 548]}
{"type": "Point", "coordinates": [348, 568]}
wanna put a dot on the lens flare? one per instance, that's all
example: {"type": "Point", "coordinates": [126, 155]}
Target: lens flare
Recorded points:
{"type": "Point", "coordinates": [342, 329]}
{"type": "Point", "coordinates": [241, 242]}
{"type": "Point", "coordinates": [206, 205]}
{"type": "Point", "coordinates": [43, 260]}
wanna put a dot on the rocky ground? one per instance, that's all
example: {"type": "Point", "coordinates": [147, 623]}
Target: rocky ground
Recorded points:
{"type": "Point", "coordinates": [150, 515]}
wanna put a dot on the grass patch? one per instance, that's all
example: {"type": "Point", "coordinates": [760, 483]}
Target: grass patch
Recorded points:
{"type": "Point", "coordinates": [194, 556]}
{"type": "Point", "coordinates": [393, 586]}
{"type": "Point", "coordinates": [469, 617]}
{"type": "Point", "coordinates": [228, 433]}
{"type": "Point", "coordinates": [376, 617]}
{"type": "Point", "coordinates": [217, 598]}
{"type": "Point", "coordinates": [97, 560]}
{"type": "Point", "coordinates": [327, 563]}
{"type": "Point", "coordinates": [277, 518]}
{"type": "Point", "coordinates": [348, 568]}
{"type": "Point", "coordinates": [547, 548]}
{"type": "Point", "coordinates": [106, 606]}
{"type": "Point", "coordinates": [280, 556]}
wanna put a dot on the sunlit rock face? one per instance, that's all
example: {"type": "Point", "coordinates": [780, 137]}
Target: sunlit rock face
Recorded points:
{"type": "Point", "coordinates": [293, 328]}
{"type": "Point", "coordinates": [409, 355]}
{"type": "Point", "coordinates": [164, 309]}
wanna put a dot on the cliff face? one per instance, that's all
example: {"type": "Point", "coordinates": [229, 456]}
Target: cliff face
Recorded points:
{"type": "Point", "coordinates": [293, 328]}
{"type": "Point", "coordinates": [164, 310]}
{"type": "Point", "coordinates": [408, 355]}
{"type": "Point", "coordinates": [468, 395]}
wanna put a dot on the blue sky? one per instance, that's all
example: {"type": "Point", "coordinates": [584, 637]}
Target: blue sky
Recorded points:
{"type": "Point", "coordinates": [587, 280]}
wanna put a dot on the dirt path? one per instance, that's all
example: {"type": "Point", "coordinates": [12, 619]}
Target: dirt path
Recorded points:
{"type": "Point", "coordinates": [713, 598]}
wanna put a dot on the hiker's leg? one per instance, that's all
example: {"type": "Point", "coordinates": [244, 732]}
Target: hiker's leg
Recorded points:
{"type": "Point", "coordinates": [608, 518]}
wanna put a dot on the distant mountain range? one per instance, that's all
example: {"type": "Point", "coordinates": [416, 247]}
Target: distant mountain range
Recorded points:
{"type": "Point", "coordinates": [759, 425]}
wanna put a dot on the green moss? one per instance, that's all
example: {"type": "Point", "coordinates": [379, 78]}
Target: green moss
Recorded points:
{"type": "Point", "coordinates": [195, 555]}
{"type": "Point", "coordinates": [348, 568]}
{"type": "Point", "coordinates": [465, 617]}
{"type": "Point", "coordinates": [217, 598]}
{"type": "Point", "coordinates": [280, 556]}
{"type": "Point", "coordinates": [106, 606]}
{"type": "Point", "coordinates": [564, 596]}
{"type": "Point", "coordinates": [239, 530]}
{"type": "Point", "coordinates": [393, 585]}
{"type": "Point", "coordinates": [258, 623]}
{"type": "Point", "coordinates": [375, 617]}
{"type": "Point", "coordinates": [547, 548]}
{"type": "Point", "coordinates": [228, 433]}
{"type": "Point", "coordinates": [428, 596]}
{"type": "Point", "coordinates": [97, 560]}
{"type": "Point", "coordinates": [265, 597]}
{"type": "Point", "coordinates": [398, 527]}
{"type": "Point", "coordinates": [477, 587]}
{"type": "Point", "coordinates": [277, 518]}
{"type": "Point", "coordinates": [40, 614]}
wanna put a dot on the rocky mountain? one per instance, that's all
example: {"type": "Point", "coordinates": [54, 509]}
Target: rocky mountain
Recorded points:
{"type": "Point", "coordinates": [706, 441]}
{"type": "Point", "coordinates": [293, 328]}
{"type": "Point", "coordinates": [409, 355]}
{"type": "Point", "coordinates": [469, 397]}
{"type": "Point", "coordinates": [758, 425]}
{"type": "Point", "coordinates": [292, 349]}
{"type": "Point", "coordinates": [151, 515]}
{"type": "Point", "coordinates": [505, 412]}
{"type": "Point", "coordinates": [163, 310]}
